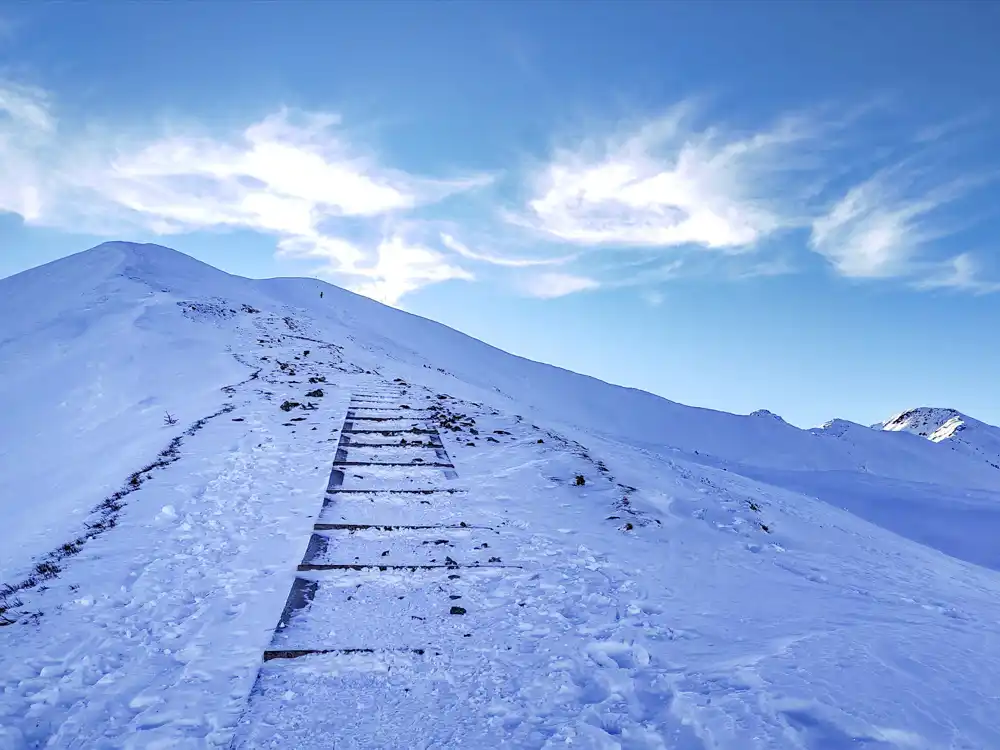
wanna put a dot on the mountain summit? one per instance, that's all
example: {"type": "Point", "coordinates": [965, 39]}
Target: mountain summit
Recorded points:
{"type": "Point", "coordinates": [950, 428]}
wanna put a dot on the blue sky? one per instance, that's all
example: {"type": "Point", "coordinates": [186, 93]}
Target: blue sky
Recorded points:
{"type": "Point", "coordinates": [735, 205]}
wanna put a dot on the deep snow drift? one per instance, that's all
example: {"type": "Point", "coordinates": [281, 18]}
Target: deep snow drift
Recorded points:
{"type": "Point", "coordinates": [703, 588]}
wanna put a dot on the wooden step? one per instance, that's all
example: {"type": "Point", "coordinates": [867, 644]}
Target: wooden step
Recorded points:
{"type": "Point", "coordinates": [394, 527]}
{"type": "Point", "coordinates": [295, 653]}
{"type": "Point", "coordinates": [416, 464]}
{"type": "Point", "coordinates": [392, 444]}
{"type": "Point", "coordinates": [425, 491]}
{"type": "Point", "coordinates": [409, 607]}
{"type": "Point", "coordinates": [389, 433]}
{"type": "Point", "coordinates": [305, 567]}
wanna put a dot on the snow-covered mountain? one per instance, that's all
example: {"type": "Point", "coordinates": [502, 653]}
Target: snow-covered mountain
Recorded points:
{"type": "Point", "coordinates": [506, 554]}
{"type": "Point", "coordinates": [949, 427]}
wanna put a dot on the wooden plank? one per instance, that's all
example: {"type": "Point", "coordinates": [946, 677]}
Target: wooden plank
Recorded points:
{"type": "Point", "coordinates": [428, 491]}
{"type": "Point", "coordinates": [394, 527]}
{"type": "Point", "coordinates": [426, 464]}
{"type": "Point", "coordinates": [295, 653]}
{"type": "Point", "coordinates": [306, 567]}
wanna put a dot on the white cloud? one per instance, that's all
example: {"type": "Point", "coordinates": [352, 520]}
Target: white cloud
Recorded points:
{"type": "Point", "coordinates": [272, 168]}
{"type": "Point", "coordinates": [550, 285]}
{"type": "Point", "coordinates": [880, 226]}
{"type": "Point", "coordinates": [398, 266]}
{"type": "Point", "coordinates": [402, 268]}
{"type": "Point", "coordinates": [336, 252]}
{"type": "Point", "coordinates": [961, 273]}
{"type": "Point", "coordinates": [952, 126]}
{"type": "Point", "coordinates": [25, 126]}
{"type": "Point", "coordinates": [276, 170]}
{"type": "Point", "coordinates": [620, 201]}
{"type": "Point", "coordinates": [453, 244]}
{"type": "Point", "coordinates": [647, 274]}
{"type": "Point", "coordinates": [292, 175]}
{"type": "Point", "coordinates": [671, 185]}
{"type": "Point", "coordinates": [668, 184]}
{"type": "Point", "coordinates": [26, 105]}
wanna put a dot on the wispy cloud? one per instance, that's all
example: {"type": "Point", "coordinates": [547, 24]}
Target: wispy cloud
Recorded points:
{"type": "Point", "coordinates": [387, 272]}
{"type": "Point", "coordinates": [26, 106]}
{"type": "Point", "coordinates": [959, 124]}
{"type": "Point", "coordinates": [634, 209]}
{"type": "Point", "coordinates": [550, 285]}
{"type": "Point", "coordinates": [886, 226]}
{"type": "Point", "coordinates": [961, 273]}
{"type": "Point", "coordinates": [497, 260]}
{"type": "Point", "coordinates": [668, 183]}
{"type": "Point", "coordinates": [292, 175]}
{"type": "Point", "coordinates": [25, 127]}
{"type": "Point", "coordinates": [402, 267]}
{"type": "Point", "coordinates": [778, 266]}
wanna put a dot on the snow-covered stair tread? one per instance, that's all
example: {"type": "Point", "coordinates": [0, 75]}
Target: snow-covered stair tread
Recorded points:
{"type": "Point", "coordinates": [410, 609]}
{"type": "Point", "coordinates": [375, 439]}
{"type": "Point", "coordinates": [386, 423]}
{"type": "Point", "coordinates": [389, 431]}
{"type": "Point", "coordinates": [396, 508]}
{"type": "Point", "coordinates": [402, 546]}
{"type": "Point", "coordinates": [385, 410]}
{"type": "Point", "coordinates": [393, 477]}
{"type": "Point", "coordinates": [400, 453]}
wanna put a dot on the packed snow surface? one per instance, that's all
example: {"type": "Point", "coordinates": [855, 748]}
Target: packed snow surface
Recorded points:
{"type": "Point", "coordinates": [476, 550]}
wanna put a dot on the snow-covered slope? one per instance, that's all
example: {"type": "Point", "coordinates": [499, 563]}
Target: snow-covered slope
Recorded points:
{"type": "Point", "coordinates": [703, 588]}
{"type": "Point", "coordinates": [949, 427]}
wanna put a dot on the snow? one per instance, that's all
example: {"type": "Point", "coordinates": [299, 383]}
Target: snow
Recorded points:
{"type": "Point", "coordinates": [765, 414]}
{"type": "Point", "coordinates": [952, 428]}
{"type": "Point", "coordinates": [717, 581]}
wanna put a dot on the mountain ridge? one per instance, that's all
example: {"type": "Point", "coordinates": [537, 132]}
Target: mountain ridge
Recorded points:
{"type": "Point", "coordinates": [649, 574]}
{"type": "Point", "coordinates": [150, 262]}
